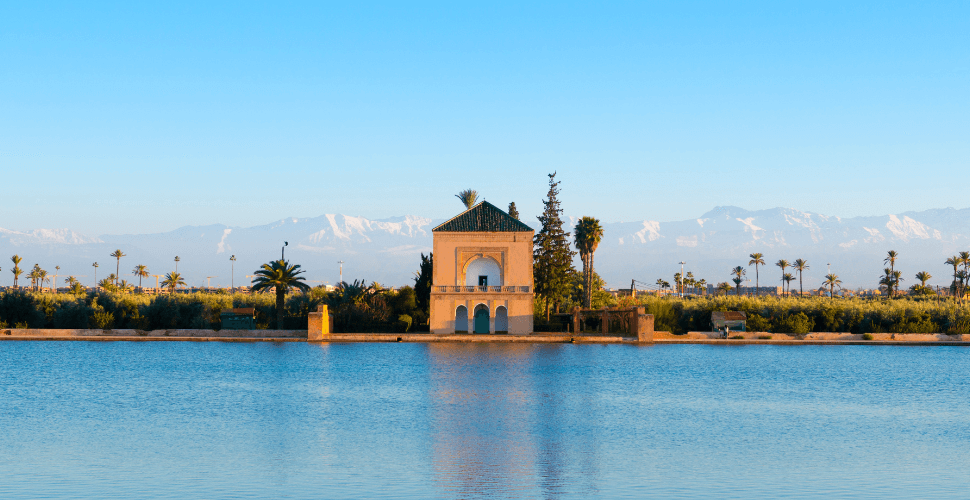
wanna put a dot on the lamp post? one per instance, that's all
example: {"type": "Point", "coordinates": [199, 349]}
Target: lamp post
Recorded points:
{"type": "Point", "coordinates": [232, 279]}
{"type": "Point", "coordinates": [283, 250]}
{"type": "Point", "coordinates": [682, 279]}
{"type": "Point", "coordinates": [341, 271]}
{"type": "Point", "coordinates": [829, 266]}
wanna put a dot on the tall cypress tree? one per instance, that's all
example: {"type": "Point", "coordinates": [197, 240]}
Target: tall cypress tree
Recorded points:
{"type": "Point", "coordinates": [551, 253]}
{"type": "Point", "coordinates": [514, 212]}
{"type": "Point", "coordinates": [422, 283]}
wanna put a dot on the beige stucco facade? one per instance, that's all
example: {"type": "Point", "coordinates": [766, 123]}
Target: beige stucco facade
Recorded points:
{"type": "Point", "coordinates": [478, 270]}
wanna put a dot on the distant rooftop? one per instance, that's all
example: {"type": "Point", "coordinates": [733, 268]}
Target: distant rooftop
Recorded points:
{"type": "Point", "coordinates": [483, 217]}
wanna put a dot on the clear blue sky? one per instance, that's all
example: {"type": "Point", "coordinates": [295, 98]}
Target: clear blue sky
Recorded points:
{"type": "Point", "coordinates": [131, 117]}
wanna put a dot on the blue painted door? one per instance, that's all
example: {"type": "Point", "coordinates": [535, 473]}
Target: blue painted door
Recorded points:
{"type": "Point", "coordinates": [481, 321]}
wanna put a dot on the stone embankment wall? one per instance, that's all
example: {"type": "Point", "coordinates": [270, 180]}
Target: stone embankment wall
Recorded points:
{"type": "Point", "coordinates": [65, 333]}
{"type": "Point", "coordinates": [900, 337]}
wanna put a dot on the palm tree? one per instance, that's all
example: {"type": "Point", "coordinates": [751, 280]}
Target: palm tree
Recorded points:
{"type": "Point", "coordinates": [965, 257]}
{"type": "Point", "coordinates": [17, 271]}
{"type": "Point", "coordinates": [782, 263]}
{"type": "Point", "coordinates": [962, 276]}
{"type": "Point", "coordinates": [107, 284]}
{"type": "Point", "coordinates": [800, 265]}
{"type": "Point", "coordinates": [232, 280]}
{"type": "Point", "coordinates": [888, 280]}
{"type": "Point", "coordinates": [118, 254]}
{"type": "Point", "coordinates": [788, 278]}
{"type": "Point", "coordinates": [34, 274]}
{"type": "Point", "coordinates": [57, 269]}
{"type": "Point", "coordinates": [588, 236]}
{"type": "Point", "coordinates": [955, 261]}
{"type": "Point", "coordinates": [921, 288]}
{"type": "Point", "coordinates": [724, 287]}
{"type": "Point", "coordinates": [95, 265]}
{"type": "Point", "coordinates": [141, 271]}
{"type": "Point", "coordinates": [468, 197]}
{"type": "Point", "coordinates": [891, 260]}
{"type": "Point", "coordinates": [832, 281]}
{"type": "Point", "coordinates": [757, 259]}
{"type": "Point", "coordinates": [172, 281]}
{"type": "Point", "coordinates": [897, 277]}
{"type": "Point", "coordinates": [74, 285]}
{"type": "Point", "coordinates": [281, 275]}
{"type": "Point", "coordinates": [177, 259]}
{"type": "Point", "coordinates": [738, 273]}
{"type": "Point", "coordinates": [923, 277]}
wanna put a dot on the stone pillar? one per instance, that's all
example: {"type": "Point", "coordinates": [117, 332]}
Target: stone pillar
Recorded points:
{"type": "Point", "coordinates": [491, 316]}
{"type": "Point", "coordinates": [319, 324]}
{"type": "Point", "coordinates": [645, 327]}
{"type": "Point", "coordinates": [577, 321]}
{"type": "Point", "coordinates": [634, 320]}
{"type": "Point", "coordinates": [605, 322]}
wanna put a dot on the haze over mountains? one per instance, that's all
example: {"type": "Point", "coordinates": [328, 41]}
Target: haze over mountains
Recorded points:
{"type": "Point", "coordinates": [387, 250]}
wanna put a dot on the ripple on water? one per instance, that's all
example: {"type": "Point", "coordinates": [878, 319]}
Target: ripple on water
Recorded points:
{"type": "Point", "coordinates": [239, 420]}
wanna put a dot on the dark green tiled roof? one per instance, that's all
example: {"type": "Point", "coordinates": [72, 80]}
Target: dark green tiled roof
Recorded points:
{"type": "Point", "coordinates": [483, 217]}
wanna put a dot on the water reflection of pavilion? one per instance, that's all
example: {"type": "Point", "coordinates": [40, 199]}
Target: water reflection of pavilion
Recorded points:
{"type": "Point", "coordinates": [497, 421]}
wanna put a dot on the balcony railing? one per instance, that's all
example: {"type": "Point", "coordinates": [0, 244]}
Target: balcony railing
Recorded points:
{"type": "Point", "coordinates": [482, 289]}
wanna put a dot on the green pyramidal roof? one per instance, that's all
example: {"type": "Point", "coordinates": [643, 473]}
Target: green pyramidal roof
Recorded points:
{"type": "Point", "coordinates": [483, 217]}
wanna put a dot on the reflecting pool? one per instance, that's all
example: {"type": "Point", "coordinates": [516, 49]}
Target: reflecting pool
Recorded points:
{"type": "Point", "coordinates": [453, 420]}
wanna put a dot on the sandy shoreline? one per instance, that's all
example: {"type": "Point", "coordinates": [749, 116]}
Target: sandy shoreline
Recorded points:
{"type": "Point", "coordinates": [711, 338]}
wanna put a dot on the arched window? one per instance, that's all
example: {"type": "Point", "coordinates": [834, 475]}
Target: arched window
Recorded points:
{"type": "Point", "coordinates": [501, 320]}
{"type": "Point", "coordinates": [461, 320]}
{"type": "Point", "coordinates": [483, 272]}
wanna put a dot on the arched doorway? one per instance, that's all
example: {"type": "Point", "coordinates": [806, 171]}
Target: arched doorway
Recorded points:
{"type": "Point", "coordinates": [501, 320]}
{"type": "Point", "coordinates": [481, 318]}
{"type": "Point", "coordinates": [461, 320]}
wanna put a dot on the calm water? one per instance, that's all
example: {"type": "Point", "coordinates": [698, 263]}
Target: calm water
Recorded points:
{"type": "Point", "coordinates": [234, 420]}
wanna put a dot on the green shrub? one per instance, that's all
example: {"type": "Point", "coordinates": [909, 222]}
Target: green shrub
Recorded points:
{"type": "Point", "coordinates": [764, 337]}
{"type": "Point", "coordinates": [867, 336]}
{"type": "Point", "coordinates": [665, 315]}
{"type": "Point", "coordinates": [798, 324]}
{"type": "Point", "coordinates": [958, 326]}
{"type": "Point", "coordinates": [18, 307]}
{"type": "Point", "coordinates": [72, 314]}
{"type": "Point", "coordinates": [758, 323]}
{"type": "Point", "coordinates": [102, 319]}
{"type": "Point", "coordinates": [737, 337]}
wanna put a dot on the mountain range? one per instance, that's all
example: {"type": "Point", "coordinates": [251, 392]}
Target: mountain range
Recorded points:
{"type": "Point", "coordinates": [387, 250]}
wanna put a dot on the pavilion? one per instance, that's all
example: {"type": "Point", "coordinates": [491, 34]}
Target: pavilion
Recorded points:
{"type": "Point", "coordinates": [482, 278]}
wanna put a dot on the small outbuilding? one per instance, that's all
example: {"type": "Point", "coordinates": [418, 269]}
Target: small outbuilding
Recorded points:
{"type": "Point", "coordinates": [242, 318]}
{"type": "Point", "coordinates": [735, 320]}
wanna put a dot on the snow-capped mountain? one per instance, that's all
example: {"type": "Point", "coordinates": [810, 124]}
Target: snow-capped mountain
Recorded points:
{"type": "Point", "coordinates": [388, 250]}
{"type": "Point", "coordinates": [724, 237]}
